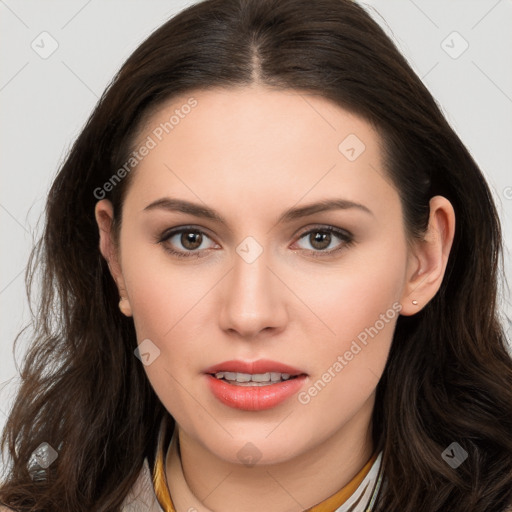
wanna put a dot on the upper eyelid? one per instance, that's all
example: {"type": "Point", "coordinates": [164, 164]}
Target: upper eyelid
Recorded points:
{"type": "Point", "coordinates": [324, 227]}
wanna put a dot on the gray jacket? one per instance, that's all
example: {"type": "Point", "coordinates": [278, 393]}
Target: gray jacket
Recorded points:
{"type": "Point", "coordinates": [142, 497]}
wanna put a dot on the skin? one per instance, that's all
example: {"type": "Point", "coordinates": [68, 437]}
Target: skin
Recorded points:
{"type": "Point", "coordinates": [251, 153]}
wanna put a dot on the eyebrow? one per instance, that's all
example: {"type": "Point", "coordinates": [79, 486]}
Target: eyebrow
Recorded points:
{"type": "Point", "coordinates": [198, 210]}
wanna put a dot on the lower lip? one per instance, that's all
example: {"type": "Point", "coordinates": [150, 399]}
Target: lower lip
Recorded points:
{"type": "Point", "coordinates": [254, 398]}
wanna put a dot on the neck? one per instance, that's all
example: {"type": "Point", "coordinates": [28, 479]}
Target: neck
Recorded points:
{"type": "Point", "coordinates": [203, 482]}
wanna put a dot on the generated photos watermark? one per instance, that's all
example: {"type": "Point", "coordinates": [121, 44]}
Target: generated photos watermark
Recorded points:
{"type": "Point", "coordinates": [343, 360]}
{"type": "Point", "coordinates": [150, 143]}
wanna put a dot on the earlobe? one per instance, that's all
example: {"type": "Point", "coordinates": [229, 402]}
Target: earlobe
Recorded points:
{"type": "Point", "coordinates": [429, 257]}
{"type": "Point", "coordinates": [124, 306]}
{"type": "Point", "coordinates": [104, 214]}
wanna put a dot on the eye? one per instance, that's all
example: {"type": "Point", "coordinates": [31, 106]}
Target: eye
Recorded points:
{"type": "Point", "coordinates": [190, 239]}
{"type": "Point", "coordinates": [321, 238]}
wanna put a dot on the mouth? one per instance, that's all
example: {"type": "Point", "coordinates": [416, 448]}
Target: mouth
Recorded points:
{"type": "Point", "coordinates": [254, 386]}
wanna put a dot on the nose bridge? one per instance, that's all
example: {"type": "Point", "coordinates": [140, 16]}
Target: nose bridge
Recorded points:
{"type": "Point", "coordinates": [253, 299]}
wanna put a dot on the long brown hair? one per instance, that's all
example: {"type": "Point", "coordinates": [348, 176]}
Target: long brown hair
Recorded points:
{"type": "Point", "coordinates": [449, 374]}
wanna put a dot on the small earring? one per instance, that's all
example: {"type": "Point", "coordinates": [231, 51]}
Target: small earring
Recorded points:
{"type": "Point", "coordinates": [415, 302]}
{"type": "Point", "coordinates": [125, 307]}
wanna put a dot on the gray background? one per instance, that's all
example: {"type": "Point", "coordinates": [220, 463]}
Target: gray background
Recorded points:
{"type": "Point", "coordinates": [45, 100]}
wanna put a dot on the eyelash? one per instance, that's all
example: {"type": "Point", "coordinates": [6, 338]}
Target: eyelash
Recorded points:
{"type": "Point", "coordinates": [345, 236]}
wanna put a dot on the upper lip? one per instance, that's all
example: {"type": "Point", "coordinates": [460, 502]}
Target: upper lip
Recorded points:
{"type": "Point", "coordinates": [254, 367]}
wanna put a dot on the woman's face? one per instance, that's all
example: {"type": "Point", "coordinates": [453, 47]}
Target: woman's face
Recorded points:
{"type": "Point", "coordinates": [258, 275]}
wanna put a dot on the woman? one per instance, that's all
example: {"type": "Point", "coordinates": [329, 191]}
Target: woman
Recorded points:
{"type": "Point", "coordinates": [269, 283]}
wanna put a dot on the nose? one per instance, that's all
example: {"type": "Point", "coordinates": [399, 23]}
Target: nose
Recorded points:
{"type": "Point", "coordinates": [253, 299]}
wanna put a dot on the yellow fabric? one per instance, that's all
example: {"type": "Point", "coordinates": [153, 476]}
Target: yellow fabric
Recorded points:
{"type": "Point", "coordinates": [336, 500]}
{"type": "Point", "coordinates": [160, 480]}
{"type": "Point", "coordinates": [329, 505]}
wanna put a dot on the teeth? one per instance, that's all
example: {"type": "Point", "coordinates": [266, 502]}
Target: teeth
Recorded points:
{"type": "Point", "coordinates": [256, 377]}
{"type": "Point", "coordinates": [260, 377]}
{"type": "Point", "coordinates": [242, 377]}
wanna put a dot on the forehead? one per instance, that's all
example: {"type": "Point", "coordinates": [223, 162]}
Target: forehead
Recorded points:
{"type": "Point", "coordinates": [252, 115]}
{"type": "Point", "coordinates": [254, 141]}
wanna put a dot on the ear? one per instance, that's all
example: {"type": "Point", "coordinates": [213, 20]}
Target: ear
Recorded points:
{"type": "Point", "coordinates": [104, 213]}
{"type": "Point", "coordinates": [428, 257]}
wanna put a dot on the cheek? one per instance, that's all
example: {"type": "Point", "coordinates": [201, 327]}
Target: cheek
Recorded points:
{"type": "Point", "coordinates": [360, 305]}
{"type": "Point", "coordinates": [161, 292]}
{"type": "Point", "coordinates": [348, 366]}
{"type": "Point", "coordinates": [354, 295]}
{"type": "Point", "coordinates": [162, 299]}
{"type": "Point", "coordinates": [168, 302]}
